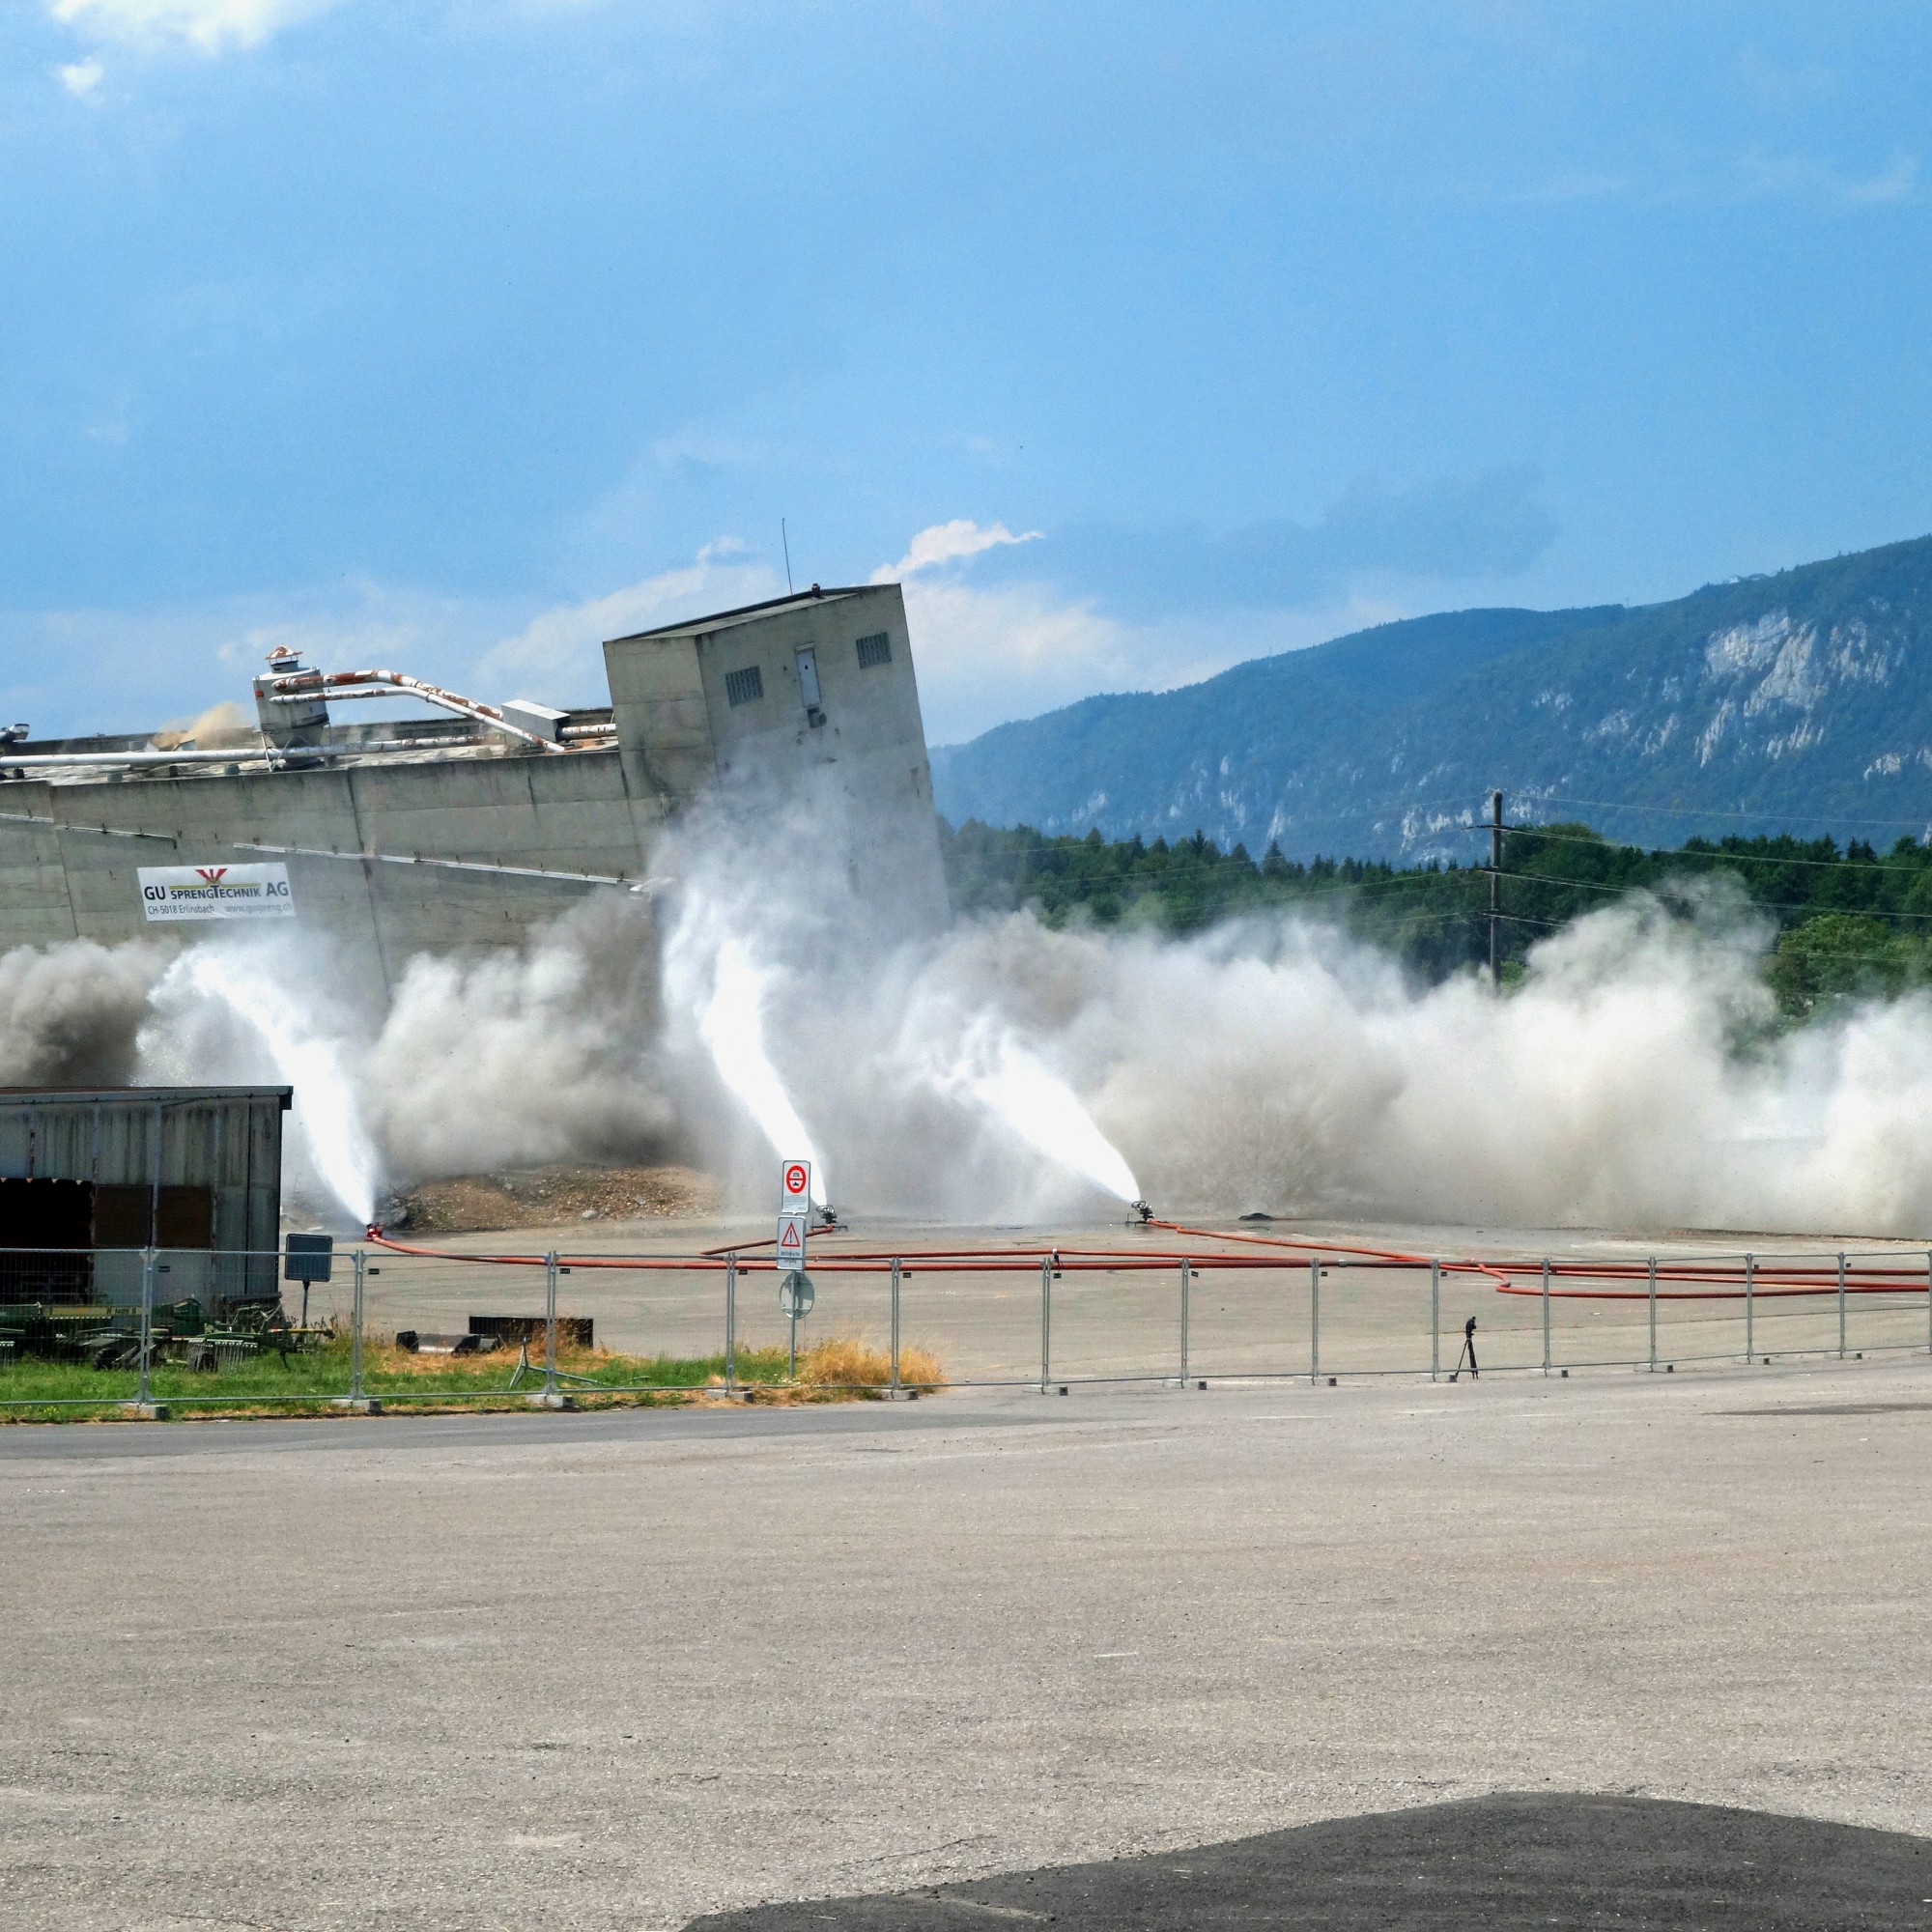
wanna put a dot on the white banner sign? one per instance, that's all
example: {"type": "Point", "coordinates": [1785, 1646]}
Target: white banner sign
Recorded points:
{"type": "Point", "coordinates": [215, 891]}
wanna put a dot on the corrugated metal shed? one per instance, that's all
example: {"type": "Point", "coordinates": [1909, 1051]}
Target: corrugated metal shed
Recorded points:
{"type": "Point", "coordinates": [90, 1178]}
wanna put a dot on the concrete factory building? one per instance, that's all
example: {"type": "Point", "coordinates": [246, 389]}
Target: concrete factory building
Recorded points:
{"type": "Point", "coordinates": [469, 827]}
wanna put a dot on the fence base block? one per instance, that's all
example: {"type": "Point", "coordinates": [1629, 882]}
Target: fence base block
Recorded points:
{"type": "Point", "coordinates": [146, 1411]}
{"type": "Point", "coordinates": [541, 1400]}
{"type": "Point", "coordinates": [358, 1404]}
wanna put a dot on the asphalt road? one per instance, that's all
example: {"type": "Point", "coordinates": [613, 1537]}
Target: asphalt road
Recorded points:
{"type": "Point", "coordinates": [1640, 1865]}
{"type": "Point", "coordinates": [620, 1669]}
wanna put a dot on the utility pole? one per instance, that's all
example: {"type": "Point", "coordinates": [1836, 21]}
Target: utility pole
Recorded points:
{"type": "Point", "coordinates": [1495, 889]}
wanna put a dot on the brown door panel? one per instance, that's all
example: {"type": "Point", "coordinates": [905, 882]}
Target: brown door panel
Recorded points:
{"type": "Point", "coordinates": [186, 1218]}
{"type": "Point", "coordinates": [121, 1215]}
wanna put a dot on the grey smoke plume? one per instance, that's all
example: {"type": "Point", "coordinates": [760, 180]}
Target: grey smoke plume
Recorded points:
{"type": "Point", "coordinates": [550, 1053]}
{"type": "Point", "coordinates": [69, 1013]}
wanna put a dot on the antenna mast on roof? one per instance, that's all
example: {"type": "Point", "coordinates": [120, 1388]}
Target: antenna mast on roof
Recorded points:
{"type": "Point", "coordinates": [786, 541]}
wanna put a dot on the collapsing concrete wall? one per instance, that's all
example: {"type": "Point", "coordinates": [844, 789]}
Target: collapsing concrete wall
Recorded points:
{"type": "Point", "coordinates": [432, 837]}
{"type": "Point", "coordinates": [808, 702]}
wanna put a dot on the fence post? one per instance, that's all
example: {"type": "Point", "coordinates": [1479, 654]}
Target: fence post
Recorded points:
{"type": "Point", "coordinates": [1928, 1301]}
{"type": "Point", "coordinates": [1750, 1307]}
{"type": "Point", "coordinates": [144, 1398]}
{"type": "Point", "coordinates": [1314, 1320]}
{"type": "Point", "coordinates": [731, 1324]}
{"type": "Point", "coordinates": [1546, 1315]}
{"type": "Point", "coordinates": [1186, 1287]}
{"type": "Point", "coordinates": [550, 1323]}
{"type": "Point", "coordinates": [1842, 1304]}
{"type": "Point", "coordinates": [1435, 1320]}
{"type": "Point", "coordinates": [1045, 1321]}
{"type": "Point", "coordinates": [1653, 1314]}
{"type": "Point", "coordinates": [355, 1332]}
{"type": "Point", "coordinates": [896, 1327]}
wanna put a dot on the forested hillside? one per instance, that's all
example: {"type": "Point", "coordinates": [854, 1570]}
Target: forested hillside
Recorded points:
{"type": "Point", "coordinates": [1852, 920]}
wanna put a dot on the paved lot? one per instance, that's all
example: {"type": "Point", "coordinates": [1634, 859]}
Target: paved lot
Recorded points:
{"type": "Point", "coordinates": [615, 1670]}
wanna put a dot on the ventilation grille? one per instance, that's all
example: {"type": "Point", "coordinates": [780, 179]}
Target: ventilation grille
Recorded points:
{"type": "Point", "coordinates": [745, 686]}
{"type": "Point", "coordinates": [877, 649]}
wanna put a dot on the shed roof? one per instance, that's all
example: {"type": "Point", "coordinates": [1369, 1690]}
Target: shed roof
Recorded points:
{"type": "Point", "coordinates": [138, 1097]}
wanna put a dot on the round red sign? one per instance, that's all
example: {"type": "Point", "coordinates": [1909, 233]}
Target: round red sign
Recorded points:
{"type": "Point", "coordinates": [795, 1179]}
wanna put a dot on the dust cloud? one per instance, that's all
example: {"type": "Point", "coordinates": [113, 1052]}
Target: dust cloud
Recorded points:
{"type": "Point", "coordinates": [1001, 1071]}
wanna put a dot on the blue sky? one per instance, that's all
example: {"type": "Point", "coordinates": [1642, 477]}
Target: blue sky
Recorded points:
{"type": "Point", "coordinates": [453, 337]}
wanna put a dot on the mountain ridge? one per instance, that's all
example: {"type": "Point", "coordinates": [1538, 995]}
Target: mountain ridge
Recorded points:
{"type": "Point", "coordinates": [1803, 695]}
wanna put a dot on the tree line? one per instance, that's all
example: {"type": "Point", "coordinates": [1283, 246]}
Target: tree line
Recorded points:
{"type": "Point", "coordinates": [1851, 921]}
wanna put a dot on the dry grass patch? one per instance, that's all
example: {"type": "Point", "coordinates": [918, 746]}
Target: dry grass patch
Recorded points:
{"type": "Point", "coordinates": [841, 1363]}
{"type": "Point", "coordinates": [836, 1370]}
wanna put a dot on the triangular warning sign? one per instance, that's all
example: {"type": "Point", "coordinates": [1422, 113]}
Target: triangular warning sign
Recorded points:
{"type": "Point", "coordinates": [789, 1243]}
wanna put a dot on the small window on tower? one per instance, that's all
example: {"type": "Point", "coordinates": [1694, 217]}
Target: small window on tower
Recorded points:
{"type": "Point", "coordinates": [877, 649]}
{"type": "Point", "coordinates": [743, 686]}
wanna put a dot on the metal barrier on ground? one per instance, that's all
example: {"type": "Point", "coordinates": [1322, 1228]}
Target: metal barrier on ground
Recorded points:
{"type": "Point", "coordinates": [387, 1323]}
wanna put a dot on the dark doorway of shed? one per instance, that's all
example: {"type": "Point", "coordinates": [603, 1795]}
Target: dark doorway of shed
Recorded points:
{"type": "Point", "coordinates": [42, 1223]}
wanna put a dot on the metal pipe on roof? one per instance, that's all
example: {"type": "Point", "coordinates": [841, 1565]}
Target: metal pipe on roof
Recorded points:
{"type": "Point", "coordinates": [299, 686]}
{"type": "Point", "coordinates": [238, 755]}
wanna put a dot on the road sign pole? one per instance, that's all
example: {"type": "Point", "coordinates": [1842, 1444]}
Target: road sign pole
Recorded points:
{"type": "Point", "coordinates": [788, 1252]}
{"type": "Point", "coordinates": [731, 1324]}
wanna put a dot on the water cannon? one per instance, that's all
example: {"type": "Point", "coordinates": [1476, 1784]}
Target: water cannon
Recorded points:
{"type": "Point", "coordinates": [1145, 1211]}
{"type": "Point", "coordinates": [15, 734]}
{"type": "Point", "coordinates": [827, 1218]}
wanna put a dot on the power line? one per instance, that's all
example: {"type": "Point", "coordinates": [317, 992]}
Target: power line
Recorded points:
{"type": "Point", "coordinates": [1703, 812]}
{"type": "Point", "coordinates": [1892, 865]}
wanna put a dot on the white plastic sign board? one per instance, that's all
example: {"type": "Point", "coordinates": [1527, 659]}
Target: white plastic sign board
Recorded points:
{"type": "Point", "coordinates": [795, 1184]}
{"type": "Point", "coordinates": [791, 1241]}
{"type": "Point", "coordinates": [170, 893]}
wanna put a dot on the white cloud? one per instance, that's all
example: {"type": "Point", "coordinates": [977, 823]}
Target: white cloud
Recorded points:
{"type": "Point", "coordinates": [211, 25]}
{"type": "Point", "coordinates": [1898, 182]}
{"type": "Point", "coordinates": [1798, 177]}
{"type": "Point", "coordinates": [947, 543]}
{"type": "Point", "coordinates": [561, 643]}
{"type": "Point", "coordinates": [989, 654]}
{"type": "Point", "coordinates": [986, 657]}
{"type": "Point", "coordinates": [80, 79]}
